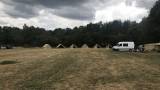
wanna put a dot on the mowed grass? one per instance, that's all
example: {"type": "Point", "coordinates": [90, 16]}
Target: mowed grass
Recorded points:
{"type": "Point", "coordinates": [78, 69]}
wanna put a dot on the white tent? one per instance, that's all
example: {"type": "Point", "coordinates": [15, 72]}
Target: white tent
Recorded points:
{"type": "Point", "coordinates": [60, 46]}
{"type": "Point", "coordinates": [47, 46]}
{"type": "Point", "coordinates": [97, 46]}
{"type": "Point", "coordinates": [85, 46]}
{"type": "Point", "coordinates": [152, 47]}
{"type": "Point", "coordinates": [73, 46]}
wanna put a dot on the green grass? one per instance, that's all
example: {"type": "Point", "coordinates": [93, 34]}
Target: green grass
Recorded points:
{"type": "Point", "coordinates": [79, 69]}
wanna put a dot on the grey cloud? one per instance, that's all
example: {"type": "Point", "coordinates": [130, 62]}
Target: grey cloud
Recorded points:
{"type": "Point", "coordinates": [23, 11]}
{"type": "Point", "coordinates": [3, 22]}
{"type": "Point", "coordinates": [51, 3]}
{"type": "Point", "coordinates": [61, 3]}
{"type": "Point", "coordinates": [142, 3]}
{"type": "Point", "coordinates": [17, 9]}
{"type": "Point", "coordinates": [146, 3]}
{"type": "Point", "coordinates": [76, 13]}
{"type": "Point", "coordinates": [72, 9]}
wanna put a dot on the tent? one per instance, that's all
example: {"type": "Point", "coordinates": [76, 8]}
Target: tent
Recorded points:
{"type": "Point", "coordinates": [152, 47]}
{"type": "Point", "coordinates": [85, 46]}
{"type": "Point", "coordinates": [157, 47]}
{"type": "Point", "coordinates": [73, 46]}
{"type": "Point", "coordinates": [60, 46]}
{"type": "Point", "coordinates": [97, 46]}
{"type": "Point", "coordinates": [47, 46]}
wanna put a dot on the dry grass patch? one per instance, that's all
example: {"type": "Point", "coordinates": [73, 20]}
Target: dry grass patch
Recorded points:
{"type": "Point", "coordinates": [79, 69]}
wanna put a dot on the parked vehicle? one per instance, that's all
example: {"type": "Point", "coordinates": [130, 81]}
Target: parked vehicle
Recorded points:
{"type": "Point", "coordinates": [124, 46]}
{"type": "Point", "coordinates": [141, 48]}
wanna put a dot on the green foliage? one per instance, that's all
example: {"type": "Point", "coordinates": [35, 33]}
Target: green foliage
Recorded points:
{"type": "Point", "coordinates": [151, 25]}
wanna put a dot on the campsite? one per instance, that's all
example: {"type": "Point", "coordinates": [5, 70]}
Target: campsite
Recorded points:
{"type": "Point", "coordinates": [78, 69]}
{"type": "Point", "coordinates": [79, 44]}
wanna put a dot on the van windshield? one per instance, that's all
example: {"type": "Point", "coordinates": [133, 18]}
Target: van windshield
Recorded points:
{"type": "Point", "coordinates": [119, 44]}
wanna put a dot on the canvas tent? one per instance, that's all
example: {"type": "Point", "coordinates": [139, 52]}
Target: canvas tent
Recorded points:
{"type": "Point", "coordinates": [73, 46]}
{"type": "Point", "coordinates": [60, 46]}
{"type": "Point", "coordinates": [152, 47]}
{"type": "Point", "coordinates": [47, 46]}
{"type": "Point", "coordinates": [85, 46]}
{"type": "Point", "coordinates": [157, 47]}
{"type": "Point", "coordinates": [97, 46]}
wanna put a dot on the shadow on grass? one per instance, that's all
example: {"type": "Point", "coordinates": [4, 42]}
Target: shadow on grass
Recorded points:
{"type": "Point", "coordinates": [8, 62]}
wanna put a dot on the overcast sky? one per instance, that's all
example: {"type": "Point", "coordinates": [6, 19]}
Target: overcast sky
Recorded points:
{"type": "Point", "coordinates": [52, 14]}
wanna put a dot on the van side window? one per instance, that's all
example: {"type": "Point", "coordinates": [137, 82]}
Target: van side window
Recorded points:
{"type": "Point", "coordinates": [125, 45]}
{"type": "Point", "coordinates": [120, 44]}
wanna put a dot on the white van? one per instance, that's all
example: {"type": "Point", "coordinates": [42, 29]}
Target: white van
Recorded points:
{"type": "Point", "coordinates": [124, 46]}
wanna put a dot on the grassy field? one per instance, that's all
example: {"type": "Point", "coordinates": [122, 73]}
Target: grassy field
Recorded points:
{"type": "Point", "coordinates": [78, 69]}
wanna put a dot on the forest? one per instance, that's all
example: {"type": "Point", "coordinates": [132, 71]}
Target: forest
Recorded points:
{"type": "Point", "coordinates": [109, 33]}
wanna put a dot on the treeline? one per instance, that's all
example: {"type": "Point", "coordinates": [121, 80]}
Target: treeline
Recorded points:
{"type": "Point", "coordinates": [147, 31]}
{"type": "Point", "coordinates": [103, 34]}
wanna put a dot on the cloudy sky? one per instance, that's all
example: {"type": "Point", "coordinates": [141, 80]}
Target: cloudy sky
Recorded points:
{"type": "Point", "coordinates": [52, 14]}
